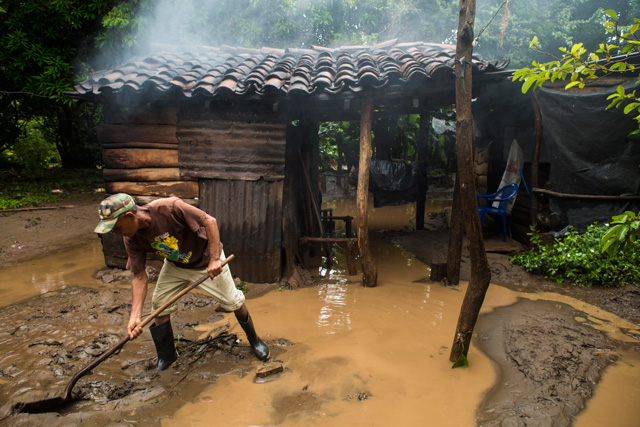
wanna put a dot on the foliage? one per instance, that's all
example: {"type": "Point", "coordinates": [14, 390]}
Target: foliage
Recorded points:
{"type": "Point", "coordinates": [583, 67]}
{"type": "Point", "coordinates": [32, 152]}
{"type": "Point", "coordinates": [578, 259]}
{"type": "Point", "coordinates": [622, 236]}
{"type": "Point", "coordinates": [560, 21]}
{"type": "Point", "coordinates": [23, 190]}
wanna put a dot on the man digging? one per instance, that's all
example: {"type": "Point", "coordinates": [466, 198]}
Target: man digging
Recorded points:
{"type": "Point", "coordinates": [189, 241]}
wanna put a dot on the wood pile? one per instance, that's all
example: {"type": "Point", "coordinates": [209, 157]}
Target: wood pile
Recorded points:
{"type": "Point", "coordinates": [140, 155]}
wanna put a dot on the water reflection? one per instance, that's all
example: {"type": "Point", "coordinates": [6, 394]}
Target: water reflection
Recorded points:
{"type": "Point", "coordinates": [334, 314]}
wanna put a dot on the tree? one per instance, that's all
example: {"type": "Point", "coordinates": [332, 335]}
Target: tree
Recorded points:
{"type": "Point", "coordinates": [562, 22]}
{"type": "Point", "coordinates": [42, 41]}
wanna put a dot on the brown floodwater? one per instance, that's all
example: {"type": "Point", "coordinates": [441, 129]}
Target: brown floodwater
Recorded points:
{"type": "Point", "coordinates": [360, 356]}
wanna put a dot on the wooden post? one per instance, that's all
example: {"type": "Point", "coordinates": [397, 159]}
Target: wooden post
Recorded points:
{"type": "Point", "coordinates": [535, 160]}
{"type": "Point", "coordinates": [423, 138]}
{"type": "Point", "coordinates": [454, 251]}
{"type": "Point", "coordinates": [291, 197]}
{"type": "Point", "coordinates": [480, 273]}
{"type": "Point", "coordinates": [369, 272]}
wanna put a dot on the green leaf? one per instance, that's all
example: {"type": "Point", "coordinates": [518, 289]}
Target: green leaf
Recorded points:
{"type": "Point", "coordinates": [612, 13]}
{"type": "Point", "coordinates": [528, 82]}
{"type": "Point", "coordinates": [572, 84]}
{"type": "Point", "coordinates": [630, 107]}
{"type": "Point", "coordinates": [462, 361]}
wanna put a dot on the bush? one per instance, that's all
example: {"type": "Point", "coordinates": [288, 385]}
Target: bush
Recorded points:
{"type": "Point", "coordinates": [32, 152]}
{"type": "Point", "coordinates": [578, 259]}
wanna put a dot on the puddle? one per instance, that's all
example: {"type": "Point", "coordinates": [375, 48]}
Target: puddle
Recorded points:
{"type": "Point", "coordinates": [73, 267]}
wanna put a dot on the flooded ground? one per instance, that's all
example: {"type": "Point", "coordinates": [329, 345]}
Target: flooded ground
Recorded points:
{"type": "Point", "coordinates": [351, 355]}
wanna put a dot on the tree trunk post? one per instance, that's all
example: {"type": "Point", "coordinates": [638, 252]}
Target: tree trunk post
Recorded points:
{"type": "Point", "coordinates": [423, 139]}
{"type": "Point", "coordinates": [454, 251]}
{"type": "Point", "coordinates": [480, 273]}
{"type": "Point", "coordinates": [369, 272]}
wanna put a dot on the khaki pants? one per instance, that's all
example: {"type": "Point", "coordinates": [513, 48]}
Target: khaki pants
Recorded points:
{"type": "Point", "coordinates": [173, 279]}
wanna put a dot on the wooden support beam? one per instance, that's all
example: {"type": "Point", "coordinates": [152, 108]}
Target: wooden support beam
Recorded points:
{"type": "Point", "coordinates": [369, 272]}
{"type": "Point", "coordinates": [535, 160]}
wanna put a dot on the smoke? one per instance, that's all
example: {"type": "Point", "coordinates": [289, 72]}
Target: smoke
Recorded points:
{"type": "Point", "coordinates": [282, 24]}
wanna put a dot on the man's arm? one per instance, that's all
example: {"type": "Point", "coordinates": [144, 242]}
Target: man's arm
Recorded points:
{"type": "Point", "coordinates": [215, 248]}
{"type": "Point", "coordinates": [139, 290]}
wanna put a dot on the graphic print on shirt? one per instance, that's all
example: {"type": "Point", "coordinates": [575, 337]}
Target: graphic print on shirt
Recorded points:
{"type": "Point", "coordinates": [167, 246]}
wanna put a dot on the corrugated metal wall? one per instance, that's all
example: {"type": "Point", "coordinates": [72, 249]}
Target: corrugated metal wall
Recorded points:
{"type": "Point", "coordinates": [249, 215]}
{"type": "Point", "coordinates": [239, 160]}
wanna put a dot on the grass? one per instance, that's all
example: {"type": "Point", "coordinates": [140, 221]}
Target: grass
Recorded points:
{"type": "Point", "coordinates": [20, 190]}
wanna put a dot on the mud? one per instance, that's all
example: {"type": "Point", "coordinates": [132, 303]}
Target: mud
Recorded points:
{"type": "Point", "coordinates": [54, 336]}
{"type": "Point", "coordinates": [549, 364]}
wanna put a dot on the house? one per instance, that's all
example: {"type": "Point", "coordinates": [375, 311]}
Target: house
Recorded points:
{"type": "Point", "coordinates": [235, 130]}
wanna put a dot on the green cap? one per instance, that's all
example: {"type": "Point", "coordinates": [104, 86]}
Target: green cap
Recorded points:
{"type": "Point", "coordinates": [111, 208]}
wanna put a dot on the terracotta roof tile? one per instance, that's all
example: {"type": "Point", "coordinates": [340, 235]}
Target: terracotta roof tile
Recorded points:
{"type": "Point", "coordinates": [224, 70]}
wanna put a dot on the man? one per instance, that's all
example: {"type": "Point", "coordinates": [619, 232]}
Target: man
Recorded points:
{"type": "Point", "coordinates": [189, 240]}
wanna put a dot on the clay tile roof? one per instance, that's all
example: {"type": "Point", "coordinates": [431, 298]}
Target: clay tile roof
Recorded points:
{"type": "Point", "coordinates": [227, 70]}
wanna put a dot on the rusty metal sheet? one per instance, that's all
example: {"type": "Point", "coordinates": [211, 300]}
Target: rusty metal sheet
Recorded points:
{"type": "Point", "coordinates": [249, 215]}
{"type": "Point", "coordinates": [231, 149]}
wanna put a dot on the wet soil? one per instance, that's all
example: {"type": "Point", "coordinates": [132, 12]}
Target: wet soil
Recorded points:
{"type": "Point", "coordinates": [28, 234]}
{"type": "Point", "coordinates": [548, 362]}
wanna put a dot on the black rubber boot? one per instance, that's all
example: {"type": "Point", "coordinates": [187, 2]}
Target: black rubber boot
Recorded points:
{"type": "Point", "coordinates": [260, 349]}
{"type": "Point", "coordinates": [163, 339]}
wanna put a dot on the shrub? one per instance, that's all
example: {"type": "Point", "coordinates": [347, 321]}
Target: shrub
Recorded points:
{"type": "Point", "coordinates": [578, 259]}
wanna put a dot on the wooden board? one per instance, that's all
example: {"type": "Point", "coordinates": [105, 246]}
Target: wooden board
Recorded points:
{"type": "Point", "coordinates": [131, 158]}
{"type": "Point", "coordinates": [184, 190]}
{"type": "Point", "coordinates": [144, 174]}
{"type": "Point", "coordinates": [165, 134]}
{"type": "Point", "coordinates": [166, 116]}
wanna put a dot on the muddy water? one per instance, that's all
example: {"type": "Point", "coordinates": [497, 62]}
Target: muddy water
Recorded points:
{"type": "Point", "coordinates": [376, 356]}
{"type": "Point", "coordinates": [74, 267]}
{"type": "Point", "coordinates": [387, 217]}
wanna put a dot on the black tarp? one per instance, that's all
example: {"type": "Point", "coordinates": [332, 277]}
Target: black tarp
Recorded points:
{"type": "Point", "coordinates": [395, 183]}
{"type": "Point", "coordinates": [590, 153]}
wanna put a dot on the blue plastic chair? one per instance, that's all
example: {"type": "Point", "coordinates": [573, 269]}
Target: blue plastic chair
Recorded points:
{"type": "Point", "coordinates": [502, 196]}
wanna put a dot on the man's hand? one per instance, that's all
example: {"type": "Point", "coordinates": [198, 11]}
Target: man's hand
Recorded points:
{"type": "Point", "coordinates": [132, 331]}
{"type": "Point", "coordinates": [214, 268]}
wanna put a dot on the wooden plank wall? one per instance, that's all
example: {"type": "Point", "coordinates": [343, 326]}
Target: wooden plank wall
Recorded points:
{"type": "Point", "coordinates": [140, 155]}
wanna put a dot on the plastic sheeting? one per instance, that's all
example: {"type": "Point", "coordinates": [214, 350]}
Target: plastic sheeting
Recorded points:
{"type": "Point", "coordinates": [590, 154]}
{"type": "Point", "coordinates": [394, 183]}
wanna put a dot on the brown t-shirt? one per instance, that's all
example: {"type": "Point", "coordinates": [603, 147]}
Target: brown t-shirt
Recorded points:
{"type": "Point", "coordinates": [176, 232]}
